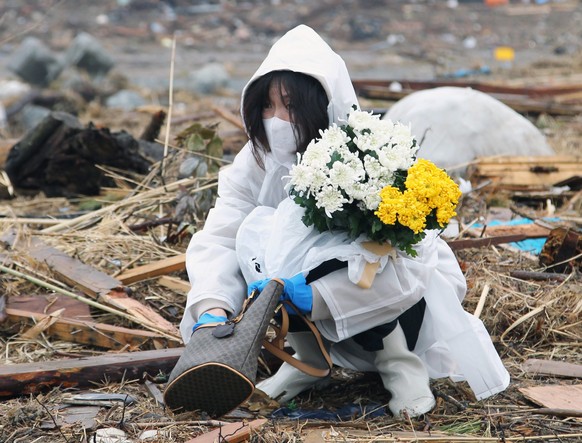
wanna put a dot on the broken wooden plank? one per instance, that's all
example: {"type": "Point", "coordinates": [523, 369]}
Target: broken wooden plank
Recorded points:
{"type": "Point", "coordinates": [528, 230]}
{"type": "Point", "coordinates": [346, 434]}
{"type": "Point", "coordinates": [535, 172]}
{"type": "Point", "coordinates": [90, 281]}
{"type": "Point", "coordinates": [563, 397]}
{"type": "Point", "coordinates": [49, 303]}
{"type": "Point", "coordinates": [175, 284]}
{"type": "Point", "coordinates": [553, 368]}
{"type": "Point", "coordinates": [76, 274]}
{"type": "Point", "coordinates": [33, 378]}
{"type": "Point", "coordinates": [41, 325]}
{"type": "Point", "coordinates": [89, 301]}
{"type": "Point", "coordinates": [91, 333]}
{"type": "Point", "coordinates": [151, 270]}
{"type": "Point", "coordinates": [231, 432]}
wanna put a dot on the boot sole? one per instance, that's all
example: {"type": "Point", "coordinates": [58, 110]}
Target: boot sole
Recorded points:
{"type": "Point", "coordinates": [212, 387]}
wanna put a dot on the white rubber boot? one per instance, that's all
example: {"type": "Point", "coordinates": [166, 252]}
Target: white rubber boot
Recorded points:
{"type": "Point", "coordinates": [289, 381]}
{"type": "Point", "coordinates": [404, 376]}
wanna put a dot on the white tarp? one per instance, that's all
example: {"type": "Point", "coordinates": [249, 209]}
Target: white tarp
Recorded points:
{"type": "Point", "coordinates": [455, 125]}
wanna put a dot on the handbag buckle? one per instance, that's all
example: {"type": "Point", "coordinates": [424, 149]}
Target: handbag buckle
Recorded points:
{"type": "Point", "coordinates": [224, 330]}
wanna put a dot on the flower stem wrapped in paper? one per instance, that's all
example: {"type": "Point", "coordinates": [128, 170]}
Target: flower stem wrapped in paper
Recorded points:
{"type": "Point", "coordinates": [364, 178]}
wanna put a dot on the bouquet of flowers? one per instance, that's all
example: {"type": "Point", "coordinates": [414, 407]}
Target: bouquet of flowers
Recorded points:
{"type": "Point", "coordinates": [363, 177]}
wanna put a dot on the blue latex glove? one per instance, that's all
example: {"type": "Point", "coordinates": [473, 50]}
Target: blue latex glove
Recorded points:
{"type": "Point", "coordinates": [208, 318]}
{"type": "Point", "coordinates": [296, 290]}
{"type": "Point", "coordinates": [258, 285]}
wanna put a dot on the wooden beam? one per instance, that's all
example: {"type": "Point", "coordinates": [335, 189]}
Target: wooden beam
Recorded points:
{"type": "Point", "coordinates": [523, 99]}
{"type": "Point", "coordinates": [484, 242]}
{"type": "Point", "coordinates": [33, 378]}
{"type": "Point", "coordinates": [151, 270]}
{"type": "Point", "coordinates": [540, 89]}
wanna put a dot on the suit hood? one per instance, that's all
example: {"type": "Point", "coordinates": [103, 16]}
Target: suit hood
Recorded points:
{"type": "Point", "coordinates": [302, 50]}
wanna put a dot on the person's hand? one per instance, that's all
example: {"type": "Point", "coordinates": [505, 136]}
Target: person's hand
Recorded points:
{"type": "Point", "coordinates": [296, 290]}
{"type": "Point", "coordinates": [258, 285]}
{"type": "Point", "coordinates": [207, 317]}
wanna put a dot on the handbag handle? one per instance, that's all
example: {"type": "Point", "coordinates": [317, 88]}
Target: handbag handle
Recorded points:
{"type": "Point", "coordinates": [276, 345]}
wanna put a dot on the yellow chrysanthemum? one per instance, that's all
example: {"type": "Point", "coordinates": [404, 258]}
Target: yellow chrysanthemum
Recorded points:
{"type": "Point", "coordinates": [413, 212]}
{"type": "Point", "coordinates": [444, 214]}
{"type": "Point", "coordinates": [389, 206]}
{"type": "Point", "coordinates": [433, 185]}
{"type": "Point", "coordinates": [423, 180]}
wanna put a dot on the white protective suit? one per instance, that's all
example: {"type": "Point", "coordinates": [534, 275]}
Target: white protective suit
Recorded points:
{"type": "Point", "coordinates": [255, 232]}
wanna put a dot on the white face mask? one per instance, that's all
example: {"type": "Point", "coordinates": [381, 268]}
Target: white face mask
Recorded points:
{"type": "Point", "coordinates": [281, 137]}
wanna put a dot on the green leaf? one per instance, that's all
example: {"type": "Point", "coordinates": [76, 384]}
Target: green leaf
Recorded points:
{"type": "Point", "coordinates": [195, 143]}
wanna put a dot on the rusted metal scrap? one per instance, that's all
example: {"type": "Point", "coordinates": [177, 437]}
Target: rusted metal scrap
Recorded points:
{"type": "Point", "coordinates": [562, 250]}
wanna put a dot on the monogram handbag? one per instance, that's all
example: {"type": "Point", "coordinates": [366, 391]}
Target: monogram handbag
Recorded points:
{"type": "Point", "coordinates": [217, 370]}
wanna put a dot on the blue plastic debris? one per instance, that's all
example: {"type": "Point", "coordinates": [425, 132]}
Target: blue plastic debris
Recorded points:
{"type": "Point", "coordinates": [460, 73]}
{"type": "Point", "coordinates": [531, 245]}
{"type": "Point", "coordinates": [347, 412]}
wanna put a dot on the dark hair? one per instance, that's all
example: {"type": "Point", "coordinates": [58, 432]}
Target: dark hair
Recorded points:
{"type": "Point", "coordinates": [308, 108]}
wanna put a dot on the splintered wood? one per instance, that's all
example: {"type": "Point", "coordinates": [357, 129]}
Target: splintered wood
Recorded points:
{"type": "Point", "coordinates": [33, 378]}
{"type": "Point", "coordinates": [531, 173]}
{"type": "Point", "coordinates": [104, 289]}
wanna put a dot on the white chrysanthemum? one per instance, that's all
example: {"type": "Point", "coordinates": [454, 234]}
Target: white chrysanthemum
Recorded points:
{"type": "Point", "coordinates": [360, 120]}
{"type": "Point", "coordinates": [390, 159]}
{"type": "Point", "coordinates": [343, 175]}
{"type": "Point", "coordinates": [373, 167]}
{"type": "Point", "coordinates": [301, 177]}
{"type": "Point", "coordinates": [334, 137]}
{"type": "Point", "coordinates": [367, 142]}
{"type": "Point", "coordinates": [350, 157]}
{"type": "Point", "coordinates": [358, 167]}
{"type": "Point", "coordinates": [386, 125]}
{"type": "Point", "coordinates": [317, 155]}
{"type": "Point", "coordinates": [330, 199]}
{"type": "Point", "coordinates": [319, 179]}
{"type": "Point", "coordinates": [400, 129]}
{"type": "Point", "coordinates": [357, 191]}
{"type": "Point", "coordinates": [372, 198]}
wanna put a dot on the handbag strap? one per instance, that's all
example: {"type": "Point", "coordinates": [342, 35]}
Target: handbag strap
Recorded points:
{"type": "Point", "coordinates": [276, 345]}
